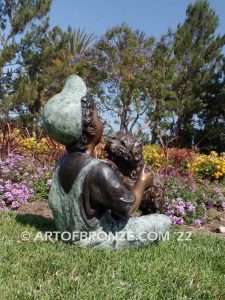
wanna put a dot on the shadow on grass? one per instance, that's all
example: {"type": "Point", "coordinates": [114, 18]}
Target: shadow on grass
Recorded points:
{"type": "Point", "coordinates": [39, 222]}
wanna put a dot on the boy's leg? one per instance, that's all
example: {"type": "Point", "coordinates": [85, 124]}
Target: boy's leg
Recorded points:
{"type": "Point", "coordinates": [140, 231]}
{"type": "Point", "coordinates": [133, 232]}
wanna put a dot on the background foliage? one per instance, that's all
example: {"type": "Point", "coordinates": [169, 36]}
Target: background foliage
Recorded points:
{"type": "Point", "coordinates": [171, 89]}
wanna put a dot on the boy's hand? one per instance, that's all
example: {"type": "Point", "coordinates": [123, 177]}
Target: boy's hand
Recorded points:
{"type": "Point", "coordinates": [146, 176]}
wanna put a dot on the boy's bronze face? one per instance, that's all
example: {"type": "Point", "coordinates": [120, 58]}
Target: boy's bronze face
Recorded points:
{"type": "Point", "coordinates": [98, 128]}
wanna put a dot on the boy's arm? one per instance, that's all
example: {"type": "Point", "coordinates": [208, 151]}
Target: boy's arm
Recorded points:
{"type": "Point", "coordinates": [108, 190]}
{"type": "Point", "coordinates": [144, 181]}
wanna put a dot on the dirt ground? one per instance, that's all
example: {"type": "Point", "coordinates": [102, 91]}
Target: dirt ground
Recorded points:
{"type": "Point", "coordinates": [40, 208]}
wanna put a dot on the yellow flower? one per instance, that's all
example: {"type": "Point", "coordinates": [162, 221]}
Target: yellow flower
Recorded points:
{"type": "Point", "coordinates": [213, 153]}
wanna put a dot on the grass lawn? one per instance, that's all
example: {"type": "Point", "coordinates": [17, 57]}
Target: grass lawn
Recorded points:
{"type": "Point", "coordinates": [45, 270]}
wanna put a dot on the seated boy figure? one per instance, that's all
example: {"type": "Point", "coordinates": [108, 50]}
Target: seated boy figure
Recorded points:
{"type": "Point", "coordinates": [87, 198]}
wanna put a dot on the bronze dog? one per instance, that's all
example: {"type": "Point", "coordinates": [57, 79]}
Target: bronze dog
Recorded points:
{"type": "Point", "coordinates": [124, 154]}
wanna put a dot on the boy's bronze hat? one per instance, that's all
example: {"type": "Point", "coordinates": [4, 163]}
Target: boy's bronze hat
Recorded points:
{"type": "Point", "coordinates": [62, 114]}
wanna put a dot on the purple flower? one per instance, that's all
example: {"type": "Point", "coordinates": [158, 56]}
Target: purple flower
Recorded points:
{"type": "Point", "coordinates": [15, 192]}
{"type": "Point", "coordinates": [148, 65]}
{"type": "Point", "coordinates": [18, 174]}
{"type": "Point", "coordinates": [75, 58]}
{"type": "Point", "coordinates": [15, 204]}
{"type": "Point", "coordinates": [5, 170]}
{"type": "Point", "coordinates": [198, 223]}
{"type": "Point", "coordinates": [179, 221]}
{"type": "Point", "coordinates": [173, 219]}
{"type": "Point", "coordinates": [181, 210]}
{"type": "Point", "coordinates": [187, 60]}
{"type": "Point", "coordinates": [210, 203]}
{"type": "Point", "coordinates": [9, 196]}
{"type": "Point", "coordinates": [147, 52]}
{"type": "Point", "coordinates": [223, 204]}
{"type": "Point", "coordinates": [49, 182]}
{"type": "Point", "coordinates": [190, 207]}
{"type": "Point", "coordinates": [8, 186]}
{"type": "Point", "coordinates": [170, 212]}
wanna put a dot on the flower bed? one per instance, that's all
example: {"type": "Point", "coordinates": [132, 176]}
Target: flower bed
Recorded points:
{"type": "Point", "coordinates": [22, 142]}
{"type": "Point", "coordinates": [204, 166]}
{"type": "Point", "coordinates": [188, 201]}
{"type": "Point", "coordinates": [22, 178]}
{"type": "Point", "coordinates": [209, 166]}
{"type": "Point", "coordinates": [192, 179]}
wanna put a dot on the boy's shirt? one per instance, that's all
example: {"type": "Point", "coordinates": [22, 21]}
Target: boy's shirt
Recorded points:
{"type": "Point", "coordinates": [103, 190]}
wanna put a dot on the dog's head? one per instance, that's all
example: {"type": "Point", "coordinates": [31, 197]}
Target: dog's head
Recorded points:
{"type": "Point", "coordinates": [126, 152]}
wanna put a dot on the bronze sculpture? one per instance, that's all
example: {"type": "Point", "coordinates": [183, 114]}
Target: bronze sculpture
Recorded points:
{"type": "Point", "coordinates": [86, 195]}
